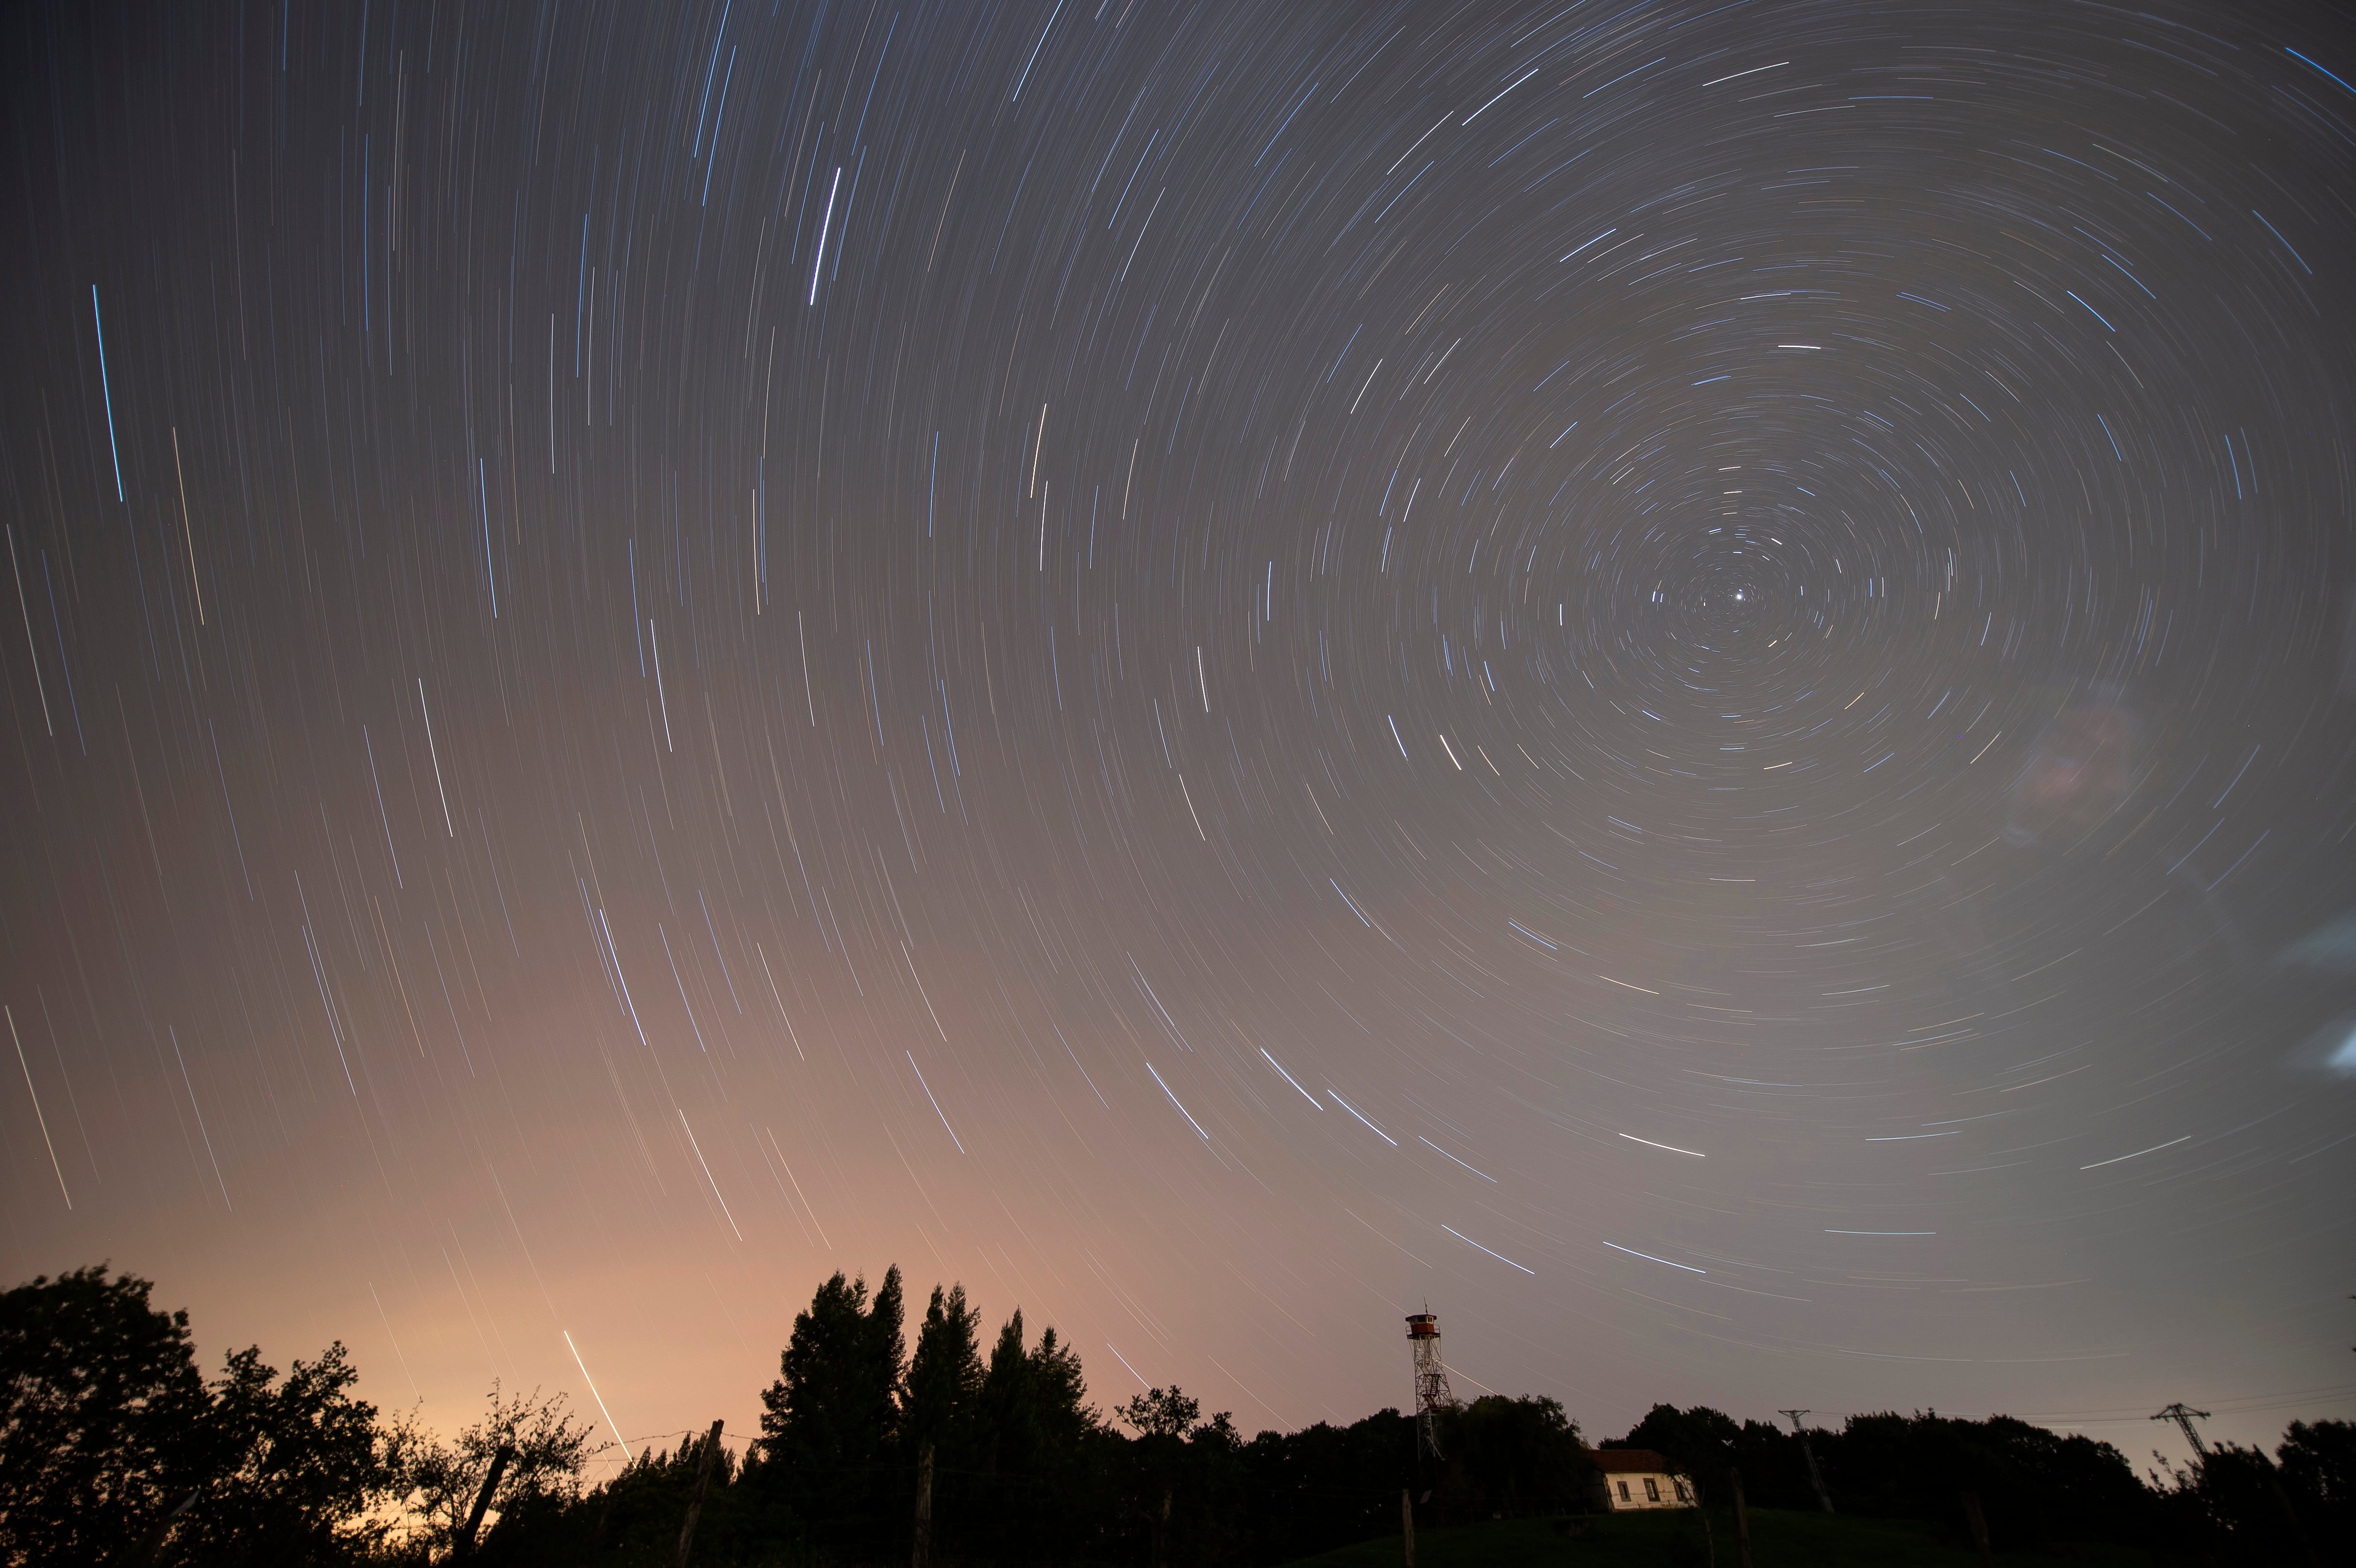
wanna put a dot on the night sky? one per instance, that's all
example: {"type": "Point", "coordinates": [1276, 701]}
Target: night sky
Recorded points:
{"type": "Point", "coordinates": [1677, 677]}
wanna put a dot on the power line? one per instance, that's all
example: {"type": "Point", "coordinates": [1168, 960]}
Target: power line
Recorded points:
{"type": "Point", "coordinates": [2239, 1404]}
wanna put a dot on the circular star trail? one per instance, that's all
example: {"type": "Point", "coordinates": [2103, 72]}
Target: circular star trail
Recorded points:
{"type": "Point", "coordinates": [1677, 679]}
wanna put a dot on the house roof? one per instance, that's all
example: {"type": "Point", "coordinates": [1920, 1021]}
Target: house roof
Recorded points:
{"type": "Point", "coordinates": [1630, 1462]}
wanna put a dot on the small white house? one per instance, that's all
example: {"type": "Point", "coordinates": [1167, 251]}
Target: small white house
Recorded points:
{"type": "Point", "coordinates": [1630, 1478]}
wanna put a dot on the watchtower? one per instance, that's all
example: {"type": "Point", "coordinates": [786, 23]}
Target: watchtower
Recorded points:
{"type": "Point", "coordinates": [1432, 1391]}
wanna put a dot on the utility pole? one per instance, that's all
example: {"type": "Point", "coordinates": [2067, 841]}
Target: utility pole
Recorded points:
{"type": "Point", "coordinates": [1815, 1478]}
{"type": "Point", "coordinates": [2178, 1413]}
{"type": "Point", "coordinates": [1407, 1523]}
{"type": "Point", "coordinates": [695, 1499]}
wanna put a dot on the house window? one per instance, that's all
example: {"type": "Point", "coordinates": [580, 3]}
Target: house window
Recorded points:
{"type": "Point", "coordinates": [1685, 1494]}
{"type": "Point", "coordinates": [1624, 1491]}
{"type": "Point", "coordinates": [1652, 1491]}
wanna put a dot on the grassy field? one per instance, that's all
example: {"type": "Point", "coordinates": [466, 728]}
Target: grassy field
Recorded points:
{"type": "Point", "coordinates": [1778, 1539]}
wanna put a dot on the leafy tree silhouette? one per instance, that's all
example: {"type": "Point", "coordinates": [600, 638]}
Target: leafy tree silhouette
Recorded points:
{"type": "Point", "coordinates": [101, 1416]}
{"type": "Point", "coordinates": [298, 1468]}
{"type": "Point", "coordinates": [546, 1457]}
{"type": "Point", "coordinates": [113, 1449]}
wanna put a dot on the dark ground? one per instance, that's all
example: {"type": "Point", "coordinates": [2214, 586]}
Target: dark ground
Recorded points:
{"type": "Point", "coordinates": [1780, 1539]}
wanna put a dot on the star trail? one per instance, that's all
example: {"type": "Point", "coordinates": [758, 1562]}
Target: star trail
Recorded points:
{"type": "Point", "coordinates": [1677, 677]}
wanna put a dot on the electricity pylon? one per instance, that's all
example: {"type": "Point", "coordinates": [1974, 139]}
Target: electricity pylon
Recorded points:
{"type": "Point", "coordinates": [2178, 1413]}
{"type": "Point", "coordinates": [1815, 1479]}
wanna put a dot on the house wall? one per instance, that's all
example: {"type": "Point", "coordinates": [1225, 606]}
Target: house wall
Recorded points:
{"type": "Point", "coordinates": [1637, 1500]}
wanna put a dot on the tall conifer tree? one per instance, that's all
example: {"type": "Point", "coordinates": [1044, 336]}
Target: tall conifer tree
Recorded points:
{"type": "Point", "coordinates": [829, 1420]}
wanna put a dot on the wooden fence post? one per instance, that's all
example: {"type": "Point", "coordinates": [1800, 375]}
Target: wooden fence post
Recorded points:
{"type": "Point", "coordinates": [921, 1554]}
{"type": "Point", "coordinates": [1979, 1522]}
{"type": "Point", "coordinates": [695, 1499]}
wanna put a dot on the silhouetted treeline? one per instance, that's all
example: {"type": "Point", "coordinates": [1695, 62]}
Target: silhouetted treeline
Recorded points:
{"type": "Point", "coordinates": [115, 1449]}
{"type": "Point", "coordinates": [1023, 1470]}
{"type": "Point", "coordinates": [2036, 1487]}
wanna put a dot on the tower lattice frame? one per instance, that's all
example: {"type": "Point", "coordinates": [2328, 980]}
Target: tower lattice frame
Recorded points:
{"type": "Point", "coordinates": [1432, 1393]}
